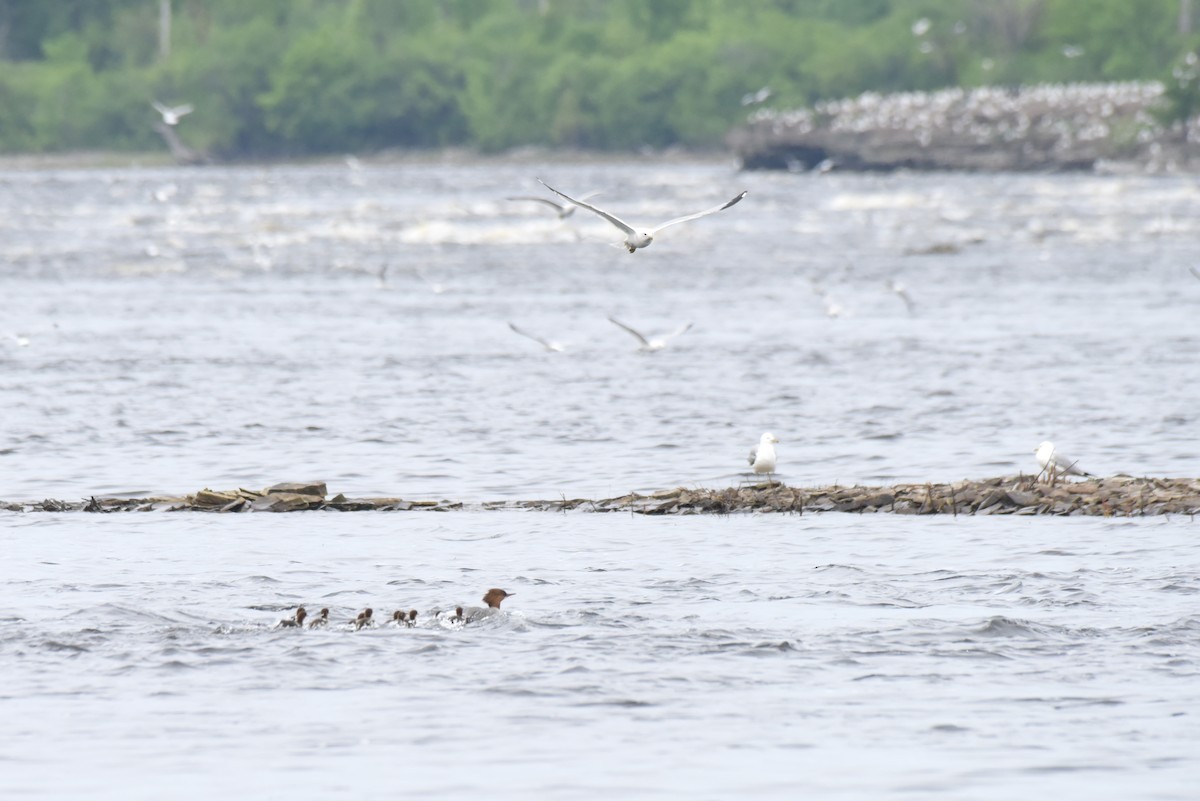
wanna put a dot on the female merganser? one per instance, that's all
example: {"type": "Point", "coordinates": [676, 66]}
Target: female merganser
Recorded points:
{"type": "Point", "coordinates": [493, 597]}
{"type": "Point", "coordinates": [470, 614]}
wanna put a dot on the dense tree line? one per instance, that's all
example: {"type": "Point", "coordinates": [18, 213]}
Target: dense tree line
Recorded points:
{"type": "Point", "coordinates": [279, 77]}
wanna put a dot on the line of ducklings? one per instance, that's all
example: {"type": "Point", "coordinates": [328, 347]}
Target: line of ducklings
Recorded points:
{"type": "Point", "coordinates": [366, 618]}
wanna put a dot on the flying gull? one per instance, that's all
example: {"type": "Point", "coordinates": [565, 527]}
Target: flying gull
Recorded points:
{"type": "Point", "coordinates": [172, 114]}
{"type": "Point", "coordinates": [552, 347]}
{"type": "Point", "coordinates": [902, 293]}
{"type": "Point", "coordinates": [635, 238]}
{"type": "Point", "coordinates": [564, 210]}
{"type": "Point", "coordinates": [657, 343]}
{"type": "Point", "coordinates": [762, 455]}
{"type": "Point", "coordinates": [1055, 463]}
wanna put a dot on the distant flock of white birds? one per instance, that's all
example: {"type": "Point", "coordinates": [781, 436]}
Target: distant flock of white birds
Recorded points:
{"type": "Point", "coordinates": [986, 114]}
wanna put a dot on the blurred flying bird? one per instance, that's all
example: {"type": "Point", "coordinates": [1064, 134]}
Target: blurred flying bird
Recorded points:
{"type": "Point", "coordinates": [651, 344]}
{"type": "Point", "coordinates": [172, 114]}
{"type": "Point", "coordinates": [634, 238]}
{"type": "Point", "coordinates": [564, 210]}
{"type": "Point", "coordinates": [902, 293]}
{"type": "Point", "coordinates": [551, 347]}
{"type": "Point", "coordinates": [754, 98]}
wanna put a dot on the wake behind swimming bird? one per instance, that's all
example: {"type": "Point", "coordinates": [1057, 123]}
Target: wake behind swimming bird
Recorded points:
{"type": "Point", "coordinates": [651, 344]}
{"type": "Point", "coordinates": [636, 238]}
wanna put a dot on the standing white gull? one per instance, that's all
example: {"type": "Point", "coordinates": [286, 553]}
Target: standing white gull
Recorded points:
{"type": "Point", "coordinates": [648, 344]}
{"type": "Point", "coordinates": [172, 114]}
{"type": "Point", "coordinates": [762, 455]}
{"type": "Point", "coordinates": [1054, 463]}
{"type": "Point", "coordinates": [635, 238]}
{"type": "Point", "coordinates": [552, 347]}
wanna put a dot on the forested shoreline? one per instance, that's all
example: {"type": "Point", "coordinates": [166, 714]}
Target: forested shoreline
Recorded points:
{"type": "Point", "coordinates": [286, 78]}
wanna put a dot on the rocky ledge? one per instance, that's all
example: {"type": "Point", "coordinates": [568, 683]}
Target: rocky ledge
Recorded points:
{"type": "Point", "coordinates": [1118, 496]}
{"type": "Point", "coordinates": [1108, 126]}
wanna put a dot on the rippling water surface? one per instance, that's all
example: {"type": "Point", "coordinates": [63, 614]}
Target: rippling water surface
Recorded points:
{"type": "Point", "coordinates": [165, 330]}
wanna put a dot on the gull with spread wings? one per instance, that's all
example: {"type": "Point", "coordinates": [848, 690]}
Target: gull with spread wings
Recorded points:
{"type": "Point", "coordinates": [563, 210]}
{"type": "Point", "coordinates": [640, 238]}
{"type": "Point", "coordinates": [550, 345]}
{"type": "Point", "coordinates": [172, 114]}
{"type": "Point", "coordinates": [651, 343]}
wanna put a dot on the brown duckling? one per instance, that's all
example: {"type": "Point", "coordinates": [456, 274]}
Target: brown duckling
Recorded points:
{"type": "Point", "coordinates": [296, 621]}
{"type": "Point", "coordinates": [364, 619]}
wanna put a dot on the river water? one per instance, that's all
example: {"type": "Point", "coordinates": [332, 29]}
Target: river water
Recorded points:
{"type": "Point", "coordinates": [163, 330]}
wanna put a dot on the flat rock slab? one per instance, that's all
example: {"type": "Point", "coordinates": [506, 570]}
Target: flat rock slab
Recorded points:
{"type": "Point", "coordinates": [1118, 496]}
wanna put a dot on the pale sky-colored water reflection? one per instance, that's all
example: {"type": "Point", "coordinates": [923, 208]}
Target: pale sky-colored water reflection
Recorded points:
{"type": "Point", "coordinates": [226, 327]}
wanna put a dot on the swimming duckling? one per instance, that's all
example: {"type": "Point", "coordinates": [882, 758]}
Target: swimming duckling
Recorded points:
{"type": "Point", "coordinates": [320, 620]}
{"type": "Point", "coordinates": [297, 621]}
{"type": "Point", "coordinates": [412, 618]}
{"type": "Point", "coordinates": [364, 619]}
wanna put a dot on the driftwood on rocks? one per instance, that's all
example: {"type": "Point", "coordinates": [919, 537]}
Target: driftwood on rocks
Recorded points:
{"type": "Point", "coordinates": [1117, 496]}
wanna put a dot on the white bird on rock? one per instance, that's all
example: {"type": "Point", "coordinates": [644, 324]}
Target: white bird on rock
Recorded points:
{"type": "Point", "coordinates": [1055, 463]}
{"type": "Point", "coordinates": [635, 238]}
{"type": "Point", "coordinates": [762, 455]}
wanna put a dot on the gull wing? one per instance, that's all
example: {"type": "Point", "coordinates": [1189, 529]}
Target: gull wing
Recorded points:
{"type": "Point", "coordinates": [699, 214]}
{"type": "Point", "coordinates": [182, 110]}
{"type": "Point", "coordinates": [683, 329]}
{"type": "Point", "coordinates": [640, 338]}
{"type": "Point", "coordinates": [537, 339]}
{"type": "Point", "coordinates": [617, 221]}
{"type": "Point", "coordinates": [753, 455]}
{"type": "Point", "coordinates": [556, 206]}
{"type": "Point", "coordinates": [159, 107]}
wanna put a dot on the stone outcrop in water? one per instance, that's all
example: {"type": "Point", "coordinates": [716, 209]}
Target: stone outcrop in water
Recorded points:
{"type": "Point", "coordinates": [1046, 127]}
{"type": "Point", "coordinates": [1118, 496]}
